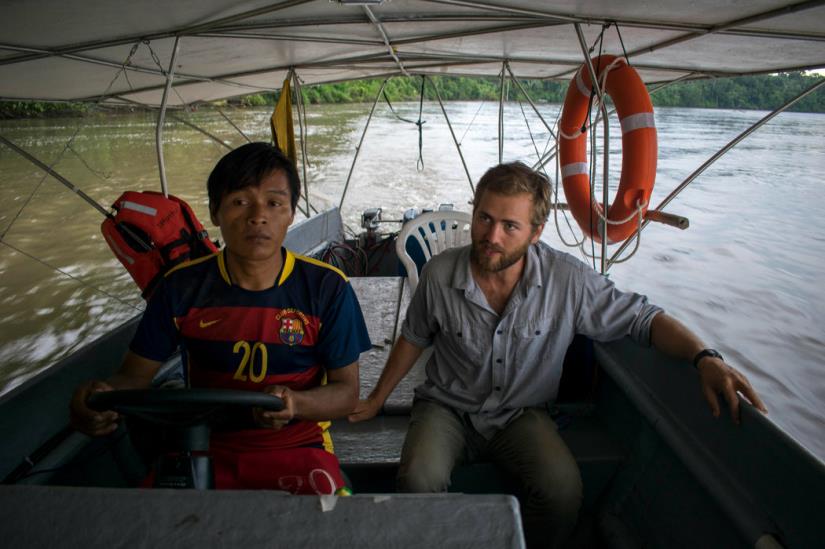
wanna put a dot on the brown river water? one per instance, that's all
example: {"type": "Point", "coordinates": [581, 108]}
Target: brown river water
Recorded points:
{"type": "Point", "coordinates": [745, 275]}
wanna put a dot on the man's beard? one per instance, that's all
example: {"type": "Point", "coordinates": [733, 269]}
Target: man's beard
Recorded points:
{"type": "Point", "coordinates": [492, 265]}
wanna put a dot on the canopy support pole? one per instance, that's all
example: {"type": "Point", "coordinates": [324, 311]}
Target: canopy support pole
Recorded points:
{"type": "Point", "coordinates": [170, 74]}
{"type": "Point", "coordinates": [721, 152]}
{"type": "Point", "coordinates": [452, 133]}
{"type": "Point", "coordinates": [605, 187]}
{"type": "Point", "coordinates": [360, 142]}
{"type": "Point", "coordinates": [299, 104]}
{"type": "Point", "coordinates": [529, 100]}
{"type": "Point", "coordinates": [501, 115]}
{"type": "Point", "coordinates": [390, 48]}
{"type": "Point", "coordinates": [597, 89]}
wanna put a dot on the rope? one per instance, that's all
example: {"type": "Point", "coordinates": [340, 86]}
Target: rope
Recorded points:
{"type": "Point", "coordinates": [637, 234]}
{"type": "Point", "coordinates": [551, 138]}
{"type": "Point", "coordinates": [529, 130]}
{"type": "Point", "coordinates": [78, 192]}
{"type": "Point", "coordinates": [102, 175]}
{"type": "Point", "coordinates": [596, 103]}
{"type": "Point", "coordinates": [624, 51]}
{"type": "Point", "coordinates": [597, 208]}
{"type": "Point", "coordinates": [600, 40]}
{"type": "Point", "coordinates": [576, 243]}
{"type": "Point", "coordinates": [42, 179]}
{"type": "Point", "coordinates": [64, 273]}
{"type": "Point", "coordinates": [392, 109]}
{"type": "Point", "coordinates": [231, 123]}
{"type": "Point", "coordinates": [588, 119]}
{"type": "Point", "coordinates": [460, 141]}
{"type": "Point", "coordinates": [419, 165]}
{"type": "Point", "coordinates": [556, 189]}
{"type": "Point", "coordinates": [299, 105]}
{"type": "Point", "coordinates": [156, 59]}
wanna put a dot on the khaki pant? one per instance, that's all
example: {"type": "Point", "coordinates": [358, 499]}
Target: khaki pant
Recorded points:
{"type": "Point", "coordinates": [529, 449]}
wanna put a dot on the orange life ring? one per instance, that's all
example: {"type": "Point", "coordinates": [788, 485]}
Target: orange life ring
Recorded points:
{"type": "Point", "coordinates": [639, 148]}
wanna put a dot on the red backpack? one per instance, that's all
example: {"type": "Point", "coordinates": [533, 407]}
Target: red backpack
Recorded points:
{"type": "Point", "coordinates": [150, 233]}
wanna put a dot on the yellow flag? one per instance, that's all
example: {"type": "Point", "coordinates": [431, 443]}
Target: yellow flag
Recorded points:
{"type": "Point", "coordinates": [283, 133]}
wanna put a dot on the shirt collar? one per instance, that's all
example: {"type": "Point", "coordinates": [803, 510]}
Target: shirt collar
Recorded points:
{"type": "Point", "coordinates": [287, 266]}
{"type": "Point", "coordinates": [531, 277]}
{"type": "Point", "coordinates": [462, 277]}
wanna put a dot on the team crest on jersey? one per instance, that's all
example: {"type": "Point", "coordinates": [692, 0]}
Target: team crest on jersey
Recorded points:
{"type": "Point", "coordinates": [292, 323]}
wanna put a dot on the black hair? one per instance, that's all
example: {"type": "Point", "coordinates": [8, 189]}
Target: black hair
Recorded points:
{"type": "Point", "coordinates": [249, 165]}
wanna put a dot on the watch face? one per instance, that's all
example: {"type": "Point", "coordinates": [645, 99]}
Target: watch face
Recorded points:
{"type": "Point", "coordinates": [706, 352]}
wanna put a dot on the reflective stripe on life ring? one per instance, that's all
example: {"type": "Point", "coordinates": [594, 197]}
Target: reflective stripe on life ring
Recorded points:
{"type": "Point", "coordinates": [639, 148]}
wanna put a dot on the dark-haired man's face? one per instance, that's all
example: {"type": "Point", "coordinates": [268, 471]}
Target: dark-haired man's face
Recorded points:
{"type": "Point", "coordinates": [254, 219]}
{"type": "Point", "coordinates": [501, 230]}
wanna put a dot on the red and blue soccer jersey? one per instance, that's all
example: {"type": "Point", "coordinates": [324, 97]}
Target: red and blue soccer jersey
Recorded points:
{"type": "Point", "coordinates": [233, 338]}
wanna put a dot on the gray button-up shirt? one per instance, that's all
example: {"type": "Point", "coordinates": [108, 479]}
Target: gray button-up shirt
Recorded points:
{"type": "Point", "coordinates": [491, 366]}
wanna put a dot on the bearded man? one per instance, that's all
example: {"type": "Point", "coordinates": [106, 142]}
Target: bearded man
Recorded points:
{"type": "Point", "coordinates": [500, 315]}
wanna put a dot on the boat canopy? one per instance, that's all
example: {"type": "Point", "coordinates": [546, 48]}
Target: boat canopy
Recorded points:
{"type": "Point", "coordinates": [53, 50]}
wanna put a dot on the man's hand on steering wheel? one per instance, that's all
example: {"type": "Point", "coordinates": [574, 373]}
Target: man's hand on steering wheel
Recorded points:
{"type": "Point", "coordinates": [86, 420]}
{"type": "Point", "coordinates": [276, 420]}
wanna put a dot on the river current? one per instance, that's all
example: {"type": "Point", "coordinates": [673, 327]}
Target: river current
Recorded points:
{"type": "Point", "coordinates": [744, 276]}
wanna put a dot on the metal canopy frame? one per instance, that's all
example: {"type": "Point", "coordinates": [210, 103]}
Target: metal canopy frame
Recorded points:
{"type": "Point", "coordinates": [290, 21]}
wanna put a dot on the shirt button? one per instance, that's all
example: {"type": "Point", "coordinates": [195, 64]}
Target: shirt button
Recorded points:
{"type": "Point", "coordinates": [499, 332]}
{"type": "Point", "coordinates": [498, 388]}
{"type": "Point", "coordinates": [498, 360]}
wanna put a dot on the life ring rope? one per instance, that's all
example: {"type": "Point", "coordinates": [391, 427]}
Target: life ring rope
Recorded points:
{"type": "Point", "coordinates": [637, 234]}
{"type": "Point", "coordinates": [583, 168]}
{"type": "Point", "coordinates": [585, 91]}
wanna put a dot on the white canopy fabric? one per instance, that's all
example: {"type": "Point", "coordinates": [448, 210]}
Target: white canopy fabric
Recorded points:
{"type": "Point", "coordinates": [118, 51]}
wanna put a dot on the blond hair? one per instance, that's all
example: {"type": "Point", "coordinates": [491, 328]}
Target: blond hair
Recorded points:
{"type": "Point", "coordinates": [517, 178]}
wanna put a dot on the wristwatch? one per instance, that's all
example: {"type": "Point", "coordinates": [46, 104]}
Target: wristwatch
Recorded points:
{"type": "Point", "coordinates": [703, 353]}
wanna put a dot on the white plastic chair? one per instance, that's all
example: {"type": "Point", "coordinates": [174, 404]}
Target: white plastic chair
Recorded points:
{"type": "Point", "coordinates": [435, 232]}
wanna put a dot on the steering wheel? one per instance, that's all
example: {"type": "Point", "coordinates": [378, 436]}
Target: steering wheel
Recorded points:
{"type": "Point", "coordinates": [181, 407]}
{"type": "Point", "coordinates": [189, 412]}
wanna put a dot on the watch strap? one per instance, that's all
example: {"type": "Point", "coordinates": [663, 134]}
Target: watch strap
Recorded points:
{"type": "Point", "coordinates": [703, 353]}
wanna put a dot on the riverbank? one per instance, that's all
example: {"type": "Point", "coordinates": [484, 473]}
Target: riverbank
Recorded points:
{"type": "Point", "coordinates": [763, 92]}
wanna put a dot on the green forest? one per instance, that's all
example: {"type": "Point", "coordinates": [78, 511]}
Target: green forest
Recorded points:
{"type": "Point", "coordinates": [764, 92]}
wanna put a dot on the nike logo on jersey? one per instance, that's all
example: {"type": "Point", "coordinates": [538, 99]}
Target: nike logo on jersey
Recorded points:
{"type": "Point", "coordinates": [208, 324]}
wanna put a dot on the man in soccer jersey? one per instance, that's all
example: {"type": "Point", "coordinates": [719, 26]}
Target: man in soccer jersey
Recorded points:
{"type": "Point", "coordinates": [254, 316]}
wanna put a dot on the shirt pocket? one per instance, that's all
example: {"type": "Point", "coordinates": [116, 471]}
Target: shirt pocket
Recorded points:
{"type": "Point", "coordinates": [538, 329]}
{"type": "Point", "coordinates": [468, 343]}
